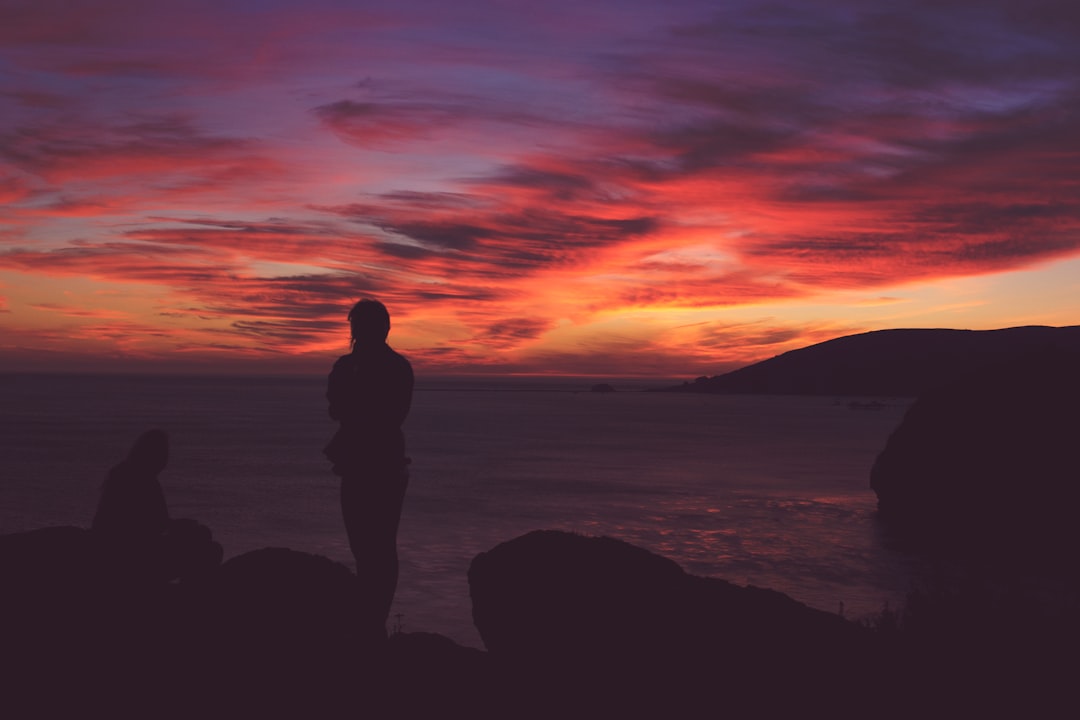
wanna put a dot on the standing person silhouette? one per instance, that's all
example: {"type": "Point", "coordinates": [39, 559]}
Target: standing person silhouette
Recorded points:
{"type": "Point", "coordinates": [370, 392]}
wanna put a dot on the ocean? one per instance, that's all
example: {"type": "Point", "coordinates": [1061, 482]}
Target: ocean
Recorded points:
{"type": "Point", "coordinates": [771, 491]}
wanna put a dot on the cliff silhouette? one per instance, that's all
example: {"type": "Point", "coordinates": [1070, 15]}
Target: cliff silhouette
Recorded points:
{"type": "Point", "coordinates": [989, 460]}
{"type": "Point", "coordinates": [892, 363]}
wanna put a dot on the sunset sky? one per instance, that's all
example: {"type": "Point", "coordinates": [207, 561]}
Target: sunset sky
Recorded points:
{"type": "Point", "coordinates": [671, 188]}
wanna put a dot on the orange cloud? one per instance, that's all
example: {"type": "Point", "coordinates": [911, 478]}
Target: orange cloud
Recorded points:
{"type": "Point", "coordinates": [659, 189]}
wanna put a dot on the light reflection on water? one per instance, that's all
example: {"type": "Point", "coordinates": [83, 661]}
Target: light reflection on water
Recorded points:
{"type": "Point", "coordinates": [770, 491]}
{"type": "Point", "coordinates": [823, 551]}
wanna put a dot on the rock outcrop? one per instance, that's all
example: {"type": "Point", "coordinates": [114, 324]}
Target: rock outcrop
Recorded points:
{"type": "Point", "coordinates": [603, 619]}
{"type": "Point", "coordinates": [577, 627]}
{"type": "Point", "coordinates": [270, 633]}
{"type": "Point", "coordinates": [991, 457]}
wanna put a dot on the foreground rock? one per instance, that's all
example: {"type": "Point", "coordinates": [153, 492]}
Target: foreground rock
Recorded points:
{"type": "Point", "coordinates": [581, 627]}
{"type": "Point", "coordinates": [577, 627]}
{"type": "Point", "coordinates": [614, 625]}
{"type": "Point", "coordinates": [271, 633]}
{"type": "Point", "coordinates": [990, 459]}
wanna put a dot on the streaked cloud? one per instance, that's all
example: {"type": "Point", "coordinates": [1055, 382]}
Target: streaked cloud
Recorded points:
{"type": "Point", "coordinates": [638, 188]}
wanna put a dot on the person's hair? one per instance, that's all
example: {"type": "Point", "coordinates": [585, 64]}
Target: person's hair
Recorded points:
{"type": "Point", "coordinates": [369, 321]}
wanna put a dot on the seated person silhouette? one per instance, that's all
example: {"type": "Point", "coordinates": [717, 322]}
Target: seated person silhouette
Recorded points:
{"type": "Point", "coordinates": [133, 523]}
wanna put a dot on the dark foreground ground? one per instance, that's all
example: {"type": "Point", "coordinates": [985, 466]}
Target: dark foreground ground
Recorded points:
{"type": "Point", "coordinates": [574, 627]}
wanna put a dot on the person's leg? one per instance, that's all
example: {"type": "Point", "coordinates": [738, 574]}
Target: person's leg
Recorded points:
{"type": "Point", "coordinates": [391, 498]}
{"type": "Point", "coordinates": [371, 507]}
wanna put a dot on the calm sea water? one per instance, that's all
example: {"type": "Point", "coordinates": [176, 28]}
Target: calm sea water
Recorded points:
{"type": "Point", "coordinates": [771, 491]}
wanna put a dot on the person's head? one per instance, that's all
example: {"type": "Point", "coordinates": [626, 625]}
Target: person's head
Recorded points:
{"type": "Point", "coordinates": [370, 322]}
{"type": "Point", "coordinates": [150, 451]}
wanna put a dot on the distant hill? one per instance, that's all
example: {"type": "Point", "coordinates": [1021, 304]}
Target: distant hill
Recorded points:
{"type": "Point", "coordinates": [895, 363]}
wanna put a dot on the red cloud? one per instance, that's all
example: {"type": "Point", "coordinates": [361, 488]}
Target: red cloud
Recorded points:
{"type": "Point", "coordinates": [742, 158]}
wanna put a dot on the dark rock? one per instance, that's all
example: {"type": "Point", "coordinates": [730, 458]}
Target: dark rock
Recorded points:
{"type": "Point", "coordinates": [276, 632]}
{"type": "Point", "coordinates": [589, 614]}
{"type": "Point", "coordinates": [276, 621]}
{"type": "Point", "coordinates": [549, 590]}
{"type": "Point", "coordinates": [542, 592]}
{"type": "Point", "coordinates": [270, 633]}
{"type": "Point", "coordinates": [990, 457]}
{"type": "Point", "coordinates": [70, 621]}
{"type": "Point", "coordinates": [47, 557]}
{"type": "Point", "coordinates": [427, 674]}
{"type": "Point", "coordinates": [286, 600]}
{"type": "Point", "coordinates": [51, 595]}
